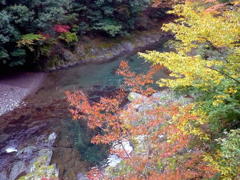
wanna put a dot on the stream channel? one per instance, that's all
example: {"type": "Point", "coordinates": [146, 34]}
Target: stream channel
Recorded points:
{"type": "Point", "coordinates": [46, 112]}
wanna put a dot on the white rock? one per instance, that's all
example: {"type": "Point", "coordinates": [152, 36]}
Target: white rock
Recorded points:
{"type": "Point", "coordinates": [113, 160]}
{"type": "Point", "coordinates": [135, 96]}
{"type": "Point", "coordinates": [123, 146]}
{"type": "Point", "coordinates": [11, 150]}
{"type": "Point", "coordinates": [52, 137]}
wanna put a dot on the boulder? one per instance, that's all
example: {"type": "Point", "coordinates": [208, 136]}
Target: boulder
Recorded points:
{"type": "Point", "coordinates": [52, 138]}
{"type": "Point", "coordinates": [17, 169]}
{"type": "Point", "coordinates": [40, 167]}
{"type": "Point", "coordinates": [26, 152]}
{"type": "Point", "coordinates": [3, 176]}
{"type": "Point", "coordinates": [46, 156]}
{"type": "Point", "coordinates": [136, 96]}
{"type": "Point", "coordinates": [167, 97]}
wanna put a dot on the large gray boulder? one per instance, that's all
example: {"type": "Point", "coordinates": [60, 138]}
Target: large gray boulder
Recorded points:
{"type": "Point", "coordinates": [17, 169]}
{"type": "Point", "coordinates": [3, 176]}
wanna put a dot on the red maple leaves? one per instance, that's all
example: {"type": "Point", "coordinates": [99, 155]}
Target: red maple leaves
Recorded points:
{"type": "Point", "coordinates": [59, 28]}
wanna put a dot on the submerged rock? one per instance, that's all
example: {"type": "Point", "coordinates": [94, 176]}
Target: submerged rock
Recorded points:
{"type": "Point", "coordinates": [3, 176]}
{"type": "Point", "coordinates": [26, 152]}
{"type": "Point", "coordinates": [4, 137]}
{"type": "Point", "coordinates": [18, 169]}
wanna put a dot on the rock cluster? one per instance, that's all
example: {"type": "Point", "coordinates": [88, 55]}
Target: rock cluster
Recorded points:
{"type": "Point", "coordinates": [139, 104]}
{"type": "Point", "coordinates": [32, 162]}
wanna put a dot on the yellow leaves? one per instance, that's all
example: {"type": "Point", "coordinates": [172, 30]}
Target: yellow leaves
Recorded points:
{"type": "Point", "coordinates": [220, 164]}
{"type": "Point", "coordinates": [236, 2]}
{"type": "Point", "coordinates": [28, 40]}
{"type": "Point", "coordinates": [193, 28]}
{"type": "Point", "coordinates": [189, 122]}
{"type": "Point", "coordinates": [231, 90]}
{"type": "Point", "coordinates": [186, 70]}
{"type": "Point", "coordinates": [219, 99]}
{"type": "Point", "coordinates": [196, 25]}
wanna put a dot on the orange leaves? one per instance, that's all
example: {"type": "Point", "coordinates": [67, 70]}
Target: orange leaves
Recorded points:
{"type": "Point", "coordinates": [159, 132]}
{"type": "Point", "coordinates": [214, 9]}
{"type": "Point", "coordinates": [105, 139]}
{"type": "Point", "coordinates": [165, 3]}
{"type": "Point", "coordinates": [105, 113]}
{"type": "Point", "coordinates": [140, 83]}
{"type": "Point", "coordinates": [102, 115]}
{"type": "Point", "coordinates": [94, 174]}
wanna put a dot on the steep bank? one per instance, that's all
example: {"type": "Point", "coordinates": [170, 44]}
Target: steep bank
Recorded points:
{"type": "Point", "coordinates": [101, 50]}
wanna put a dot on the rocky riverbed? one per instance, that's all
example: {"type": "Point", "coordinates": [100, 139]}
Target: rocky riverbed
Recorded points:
{"type": "Point", "coordinates": [15, 88]}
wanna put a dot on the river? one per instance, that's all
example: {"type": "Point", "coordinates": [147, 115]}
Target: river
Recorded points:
{"type": "Point", "coordinates": [46, 111]}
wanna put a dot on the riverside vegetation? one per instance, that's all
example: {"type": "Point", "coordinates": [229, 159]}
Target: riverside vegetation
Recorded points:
{"type": "Point", "coordinates": [32, 31]}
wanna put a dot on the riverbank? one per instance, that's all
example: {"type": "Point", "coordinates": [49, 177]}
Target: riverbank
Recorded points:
{"type": "Point", "coordinates": [101, 50]}
{"type": "Point", "coordinates": [15, 88]}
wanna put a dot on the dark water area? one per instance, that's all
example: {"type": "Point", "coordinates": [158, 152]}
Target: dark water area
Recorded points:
{"type": "Point", "coordinates": [47, 111]}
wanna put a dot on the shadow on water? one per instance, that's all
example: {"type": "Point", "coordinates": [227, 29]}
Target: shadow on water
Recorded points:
{"type": "Point", "coordinates": [92, 153]}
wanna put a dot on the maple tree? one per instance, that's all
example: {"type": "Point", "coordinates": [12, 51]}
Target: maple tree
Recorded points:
{"type": "Point", "coordinates": [206, 63]}
{"type": "Point", "coordinates": [165, 134]}
{"type": "Point", "coordinates": [109, 109]}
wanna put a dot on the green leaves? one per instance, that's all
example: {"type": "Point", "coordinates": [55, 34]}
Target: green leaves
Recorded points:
{"type": "Point", "coordinates": [111, 17]}
{"type": "Point", "coordinates": [21, 21]}
{"type": "Point", "coordinates": [69, 37]}
{"type": "Point", "coordinates": [109, 26]}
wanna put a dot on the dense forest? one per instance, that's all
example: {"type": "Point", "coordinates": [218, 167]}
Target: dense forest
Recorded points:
{"type": "Point", "coordinates": [195, 134]}
{"type": "Point", "coordinates": [29, 29]}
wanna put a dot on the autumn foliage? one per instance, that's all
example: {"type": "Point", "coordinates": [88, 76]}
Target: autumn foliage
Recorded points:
{"type": "Point", "coordinates": [177, 141]}
{"type": "Point", "coordinates": [206, 63]}
{"type": "Point", "coordinates": [161, 127]}
{"type": "Point", "coordinates": [61, 28]}
{"type": "Point", "coordinates": [140, 83]}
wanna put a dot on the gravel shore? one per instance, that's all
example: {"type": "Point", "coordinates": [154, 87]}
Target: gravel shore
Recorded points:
{"type": "Point", "coordinates": [13, 89]}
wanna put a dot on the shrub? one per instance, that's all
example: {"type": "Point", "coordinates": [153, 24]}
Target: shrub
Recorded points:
{"type": "Point", "coordinates": [68, 37]}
